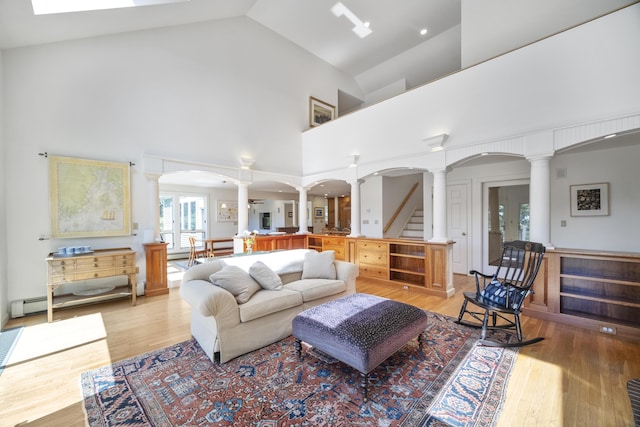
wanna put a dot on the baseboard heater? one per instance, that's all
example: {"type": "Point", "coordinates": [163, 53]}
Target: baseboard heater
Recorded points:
{"type": "Point", "coordinates": [22, 307]}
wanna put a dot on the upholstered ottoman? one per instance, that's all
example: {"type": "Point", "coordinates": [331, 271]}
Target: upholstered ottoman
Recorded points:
{"type": "Point", "coordinates": [360, 330]}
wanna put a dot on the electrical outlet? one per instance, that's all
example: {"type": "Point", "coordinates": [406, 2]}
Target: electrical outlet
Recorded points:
{"type": "Point", "coordinates": [608, 330]}
{"type": "Point", "coordinates": [137, 269]}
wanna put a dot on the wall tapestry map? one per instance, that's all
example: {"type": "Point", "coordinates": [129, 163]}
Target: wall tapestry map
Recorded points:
{"type": "Point", "coordinates": [89, 198]}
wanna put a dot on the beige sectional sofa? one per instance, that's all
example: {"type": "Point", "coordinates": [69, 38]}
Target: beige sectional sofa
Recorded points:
{"type": "Point", "coordinates": [239, 314]}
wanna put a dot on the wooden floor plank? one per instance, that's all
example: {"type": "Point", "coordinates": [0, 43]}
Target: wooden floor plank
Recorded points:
{"type": "Point", "coordinates": [572, 378]}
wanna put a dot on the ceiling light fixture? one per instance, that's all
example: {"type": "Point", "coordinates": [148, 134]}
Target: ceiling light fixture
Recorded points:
{"type": "Point", "coordinates": [613, 135]}
{"type": "Point", "coordinates": [246, 162]}
{"type": "Point", "coordinates": [423, 31]}
{"type": "Point", "coordinates": [360, 28]}
{"type": "Point", "coordinates": [47, 7]}
{"type": "Point", "coordinates": [437, 142]}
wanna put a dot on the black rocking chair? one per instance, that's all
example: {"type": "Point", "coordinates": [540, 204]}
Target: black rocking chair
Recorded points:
{"type": "Point", "coordinates": [503, 293]}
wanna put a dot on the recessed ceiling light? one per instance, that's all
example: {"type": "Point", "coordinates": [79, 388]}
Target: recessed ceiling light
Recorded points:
{"type": "Point", "coordinates": [613, 135]}
{"type": "Point", "coordinates": [367, 24]}
{"type": "Point", "coordinates": [423, 31]}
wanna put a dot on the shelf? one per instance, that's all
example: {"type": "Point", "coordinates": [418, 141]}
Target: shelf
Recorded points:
{"type": "Point", "coordinates": [601, 310]}
{"type": "Point", "coordinates": [617, 301]}
{"type": "Point", "coordinates": [415, 272]}
{"type": "Point", "coordinates": [599, 279]}
{"type": "Point", "coordinates": [599, 289]}
{"type": "Point", "coordinates": [603, 319]}
{"type": "Point", "coordinates": [404, 249]}
{"type": "Point", "coordinates": [407, 256]}
{"type": "Point", "coordinates": [604, 269]}
{"type": "Point", "coordinates": [72, 300]}
{"type": "Point", "coordinates": [407, 277]}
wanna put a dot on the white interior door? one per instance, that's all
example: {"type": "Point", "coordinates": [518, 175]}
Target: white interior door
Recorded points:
{"type": "Point", "coordinates": [458, 226]}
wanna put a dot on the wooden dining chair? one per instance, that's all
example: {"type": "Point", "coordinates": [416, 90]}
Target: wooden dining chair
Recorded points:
{"type": "Point", "coordinates": [194, 252]}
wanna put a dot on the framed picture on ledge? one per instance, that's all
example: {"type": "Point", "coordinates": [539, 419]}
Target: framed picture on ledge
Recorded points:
{"type": "Point", "coordinates": [320, 112]}
{"type": "Point", "coordinates": [590, 199]}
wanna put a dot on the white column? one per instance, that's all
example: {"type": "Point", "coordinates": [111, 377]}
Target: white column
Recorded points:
{"type": "Point", "coordinates": [243, 210]}
{"type": "Point", "coordinates": [154, 212]}
{"type": "Point", "coordinates": [540, 201]}
{"type": "Point", "coordinates": [336, 212]}
{"type": "Point", "coordinates": [302, 212]}
{"type": "Point", "coordinates": [355, 208]}
{"type": "Point", "coordinates": [439, 206]}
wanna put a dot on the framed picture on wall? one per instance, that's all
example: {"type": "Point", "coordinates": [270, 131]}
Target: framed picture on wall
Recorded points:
{"type": "Point", "coordinates": [320, 112]}
{"type": "Point", "coordinates": [590, 199]}
{"type": "Point", "coordinates": [318, 212]}
{"type": "Point", "coordinates": [227, 211]}
{"type": "Point", "coordinates": [89, 198]}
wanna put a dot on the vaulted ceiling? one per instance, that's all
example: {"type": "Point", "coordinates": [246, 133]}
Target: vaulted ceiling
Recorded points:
{"type": "Point", "coordinates": [393, 44]}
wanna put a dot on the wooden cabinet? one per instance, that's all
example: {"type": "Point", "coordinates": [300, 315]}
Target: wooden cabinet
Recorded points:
{"type": "Point", "coordinates": [279, 242]}
{"type": "Point", "coordinates": [416, 265]}
{"type": "Point", "coordinates": [156, 262]}
{"type": "Point", "coordinates": [373, 259]}
{"type": "Point", "coordinates": [336, 244]}
{"type": "Point", "coordinates": [590, 289]}
{"type": "Point", "coordinates": [328, 243]}
{"type": "Point", "coordinates": [79, 268]}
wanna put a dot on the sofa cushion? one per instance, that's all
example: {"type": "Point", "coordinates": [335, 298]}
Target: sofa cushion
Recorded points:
{"type": "Point", "coordinates": [319, 265]}
{"type": "Point", "coordinates": [236, 281]}
{"type": "Point", "coordinates": [266, 302]}
{"type": "Point", "coordinates": [290, 277]}
{"type": "Point", "coordinates": [312, 289]}
{"type": "Point", "coordinates": [266, 277]}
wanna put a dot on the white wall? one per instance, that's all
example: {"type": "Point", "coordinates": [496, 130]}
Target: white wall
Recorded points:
{"type": "Point", "coordinates": [493, 27]}
{"type": "Point", "coordinates": [579, 76]}
{"type": "Point", "coordinates": [4, 288]}
{"type": "Point", "coordinates": [372, 207]}
{"type": "Point", "coordinates": [619, 230]}
{"type": "Point", "coordinates": [207, 93]}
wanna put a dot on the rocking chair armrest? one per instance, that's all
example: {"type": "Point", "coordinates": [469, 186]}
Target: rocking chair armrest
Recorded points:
{"type": "Point", "coordinates": [484, 277]}
{"type": "Point", "coordinates": [478, 273]}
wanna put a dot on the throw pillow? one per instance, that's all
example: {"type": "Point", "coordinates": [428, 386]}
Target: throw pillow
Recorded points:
{"type": "Point", "coordinates": [237, 281]}
{"type": "Point", "coordinates": [497, 293]}
{"type": "Point", "coordinates": [319, 265]}
{"type": "Point", "coordinates": [266, 277]}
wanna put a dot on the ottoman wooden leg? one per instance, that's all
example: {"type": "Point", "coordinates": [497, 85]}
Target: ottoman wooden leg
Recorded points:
{"type": "Point", "coordinates": [298, 345]}
{"type": "Point", "coordinates": [422, 340]}
{"type": "Point", "coordinates": [364, 382]}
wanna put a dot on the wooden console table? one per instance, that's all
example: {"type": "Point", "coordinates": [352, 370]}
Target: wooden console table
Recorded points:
{"type": "Point", "coordinates": [98, 264]}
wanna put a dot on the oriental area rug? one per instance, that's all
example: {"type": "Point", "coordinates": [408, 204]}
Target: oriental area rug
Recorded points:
{"type": "Point", "coordinates": [452, 382]}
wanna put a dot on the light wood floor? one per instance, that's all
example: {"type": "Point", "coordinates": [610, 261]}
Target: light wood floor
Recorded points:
{"type": "Point", "coordinates": [572, 378]}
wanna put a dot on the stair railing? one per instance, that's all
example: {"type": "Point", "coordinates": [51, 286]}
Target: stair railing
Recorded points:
{"type": "Point", "coordinates": [402, 205]}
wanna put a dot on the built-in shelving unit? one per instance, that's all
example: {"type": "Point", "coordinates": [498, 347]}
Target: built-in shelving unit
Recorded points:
{"type": "Point", "coordinates": [590, 289]}
{"type": "Point", "coordinates": [606, 290]}
{"type": "Point", "coordinates": [407, 263]}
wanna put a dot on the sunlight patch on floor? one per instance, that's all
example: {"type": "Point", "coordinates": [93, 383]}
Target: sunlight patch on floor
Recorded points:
{"type": "Point", "coordinates": [47, 338]}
